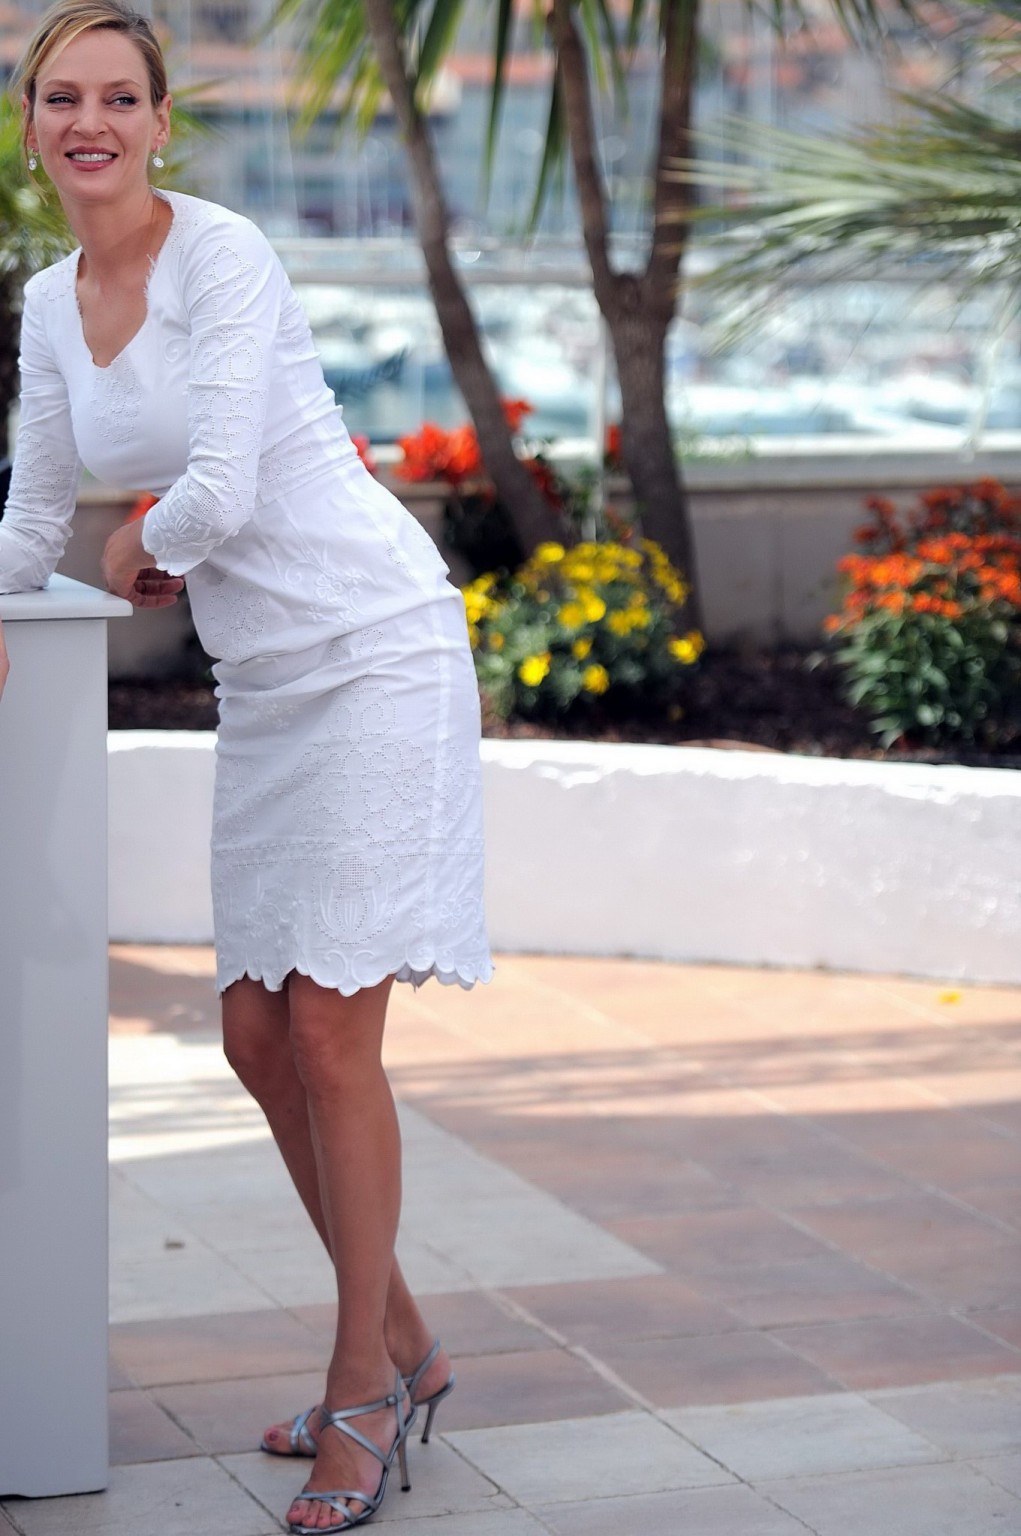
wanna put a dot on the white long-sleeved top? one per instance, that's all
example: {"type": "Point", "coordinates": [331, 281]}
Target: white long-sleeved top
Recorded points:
{"type": "Point", "coordinates": [217, 406]}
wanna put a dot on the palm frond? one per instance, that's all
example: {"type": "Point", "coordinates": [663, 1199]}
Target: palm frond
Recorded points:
{"type": "Point", "coordinates": [949, 182]}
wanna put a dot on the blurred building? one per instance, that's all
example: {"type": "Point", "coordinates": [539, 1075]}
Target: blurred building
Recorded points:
{"type": "Point", "coordinates": [245, 81]}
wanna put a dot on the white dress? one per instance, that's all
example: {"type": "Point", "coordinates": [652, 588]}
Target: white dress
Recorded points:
{"type": "Point", "coordinates": [347, 826]}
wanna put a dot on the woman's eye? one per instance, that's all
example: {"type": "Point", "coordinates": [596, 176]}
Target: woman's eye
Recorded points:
{"type": "Point", "coordinates": [127, 101]}
{"type": "Point", "coordinates": [57, 99]}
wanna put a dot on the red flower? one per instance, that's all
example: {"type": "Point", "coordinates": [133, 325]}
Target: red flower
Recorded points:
{"type": "Point", "coordinates": [364, 451]}
{"type": "Point", "coordinates": [141, 507]}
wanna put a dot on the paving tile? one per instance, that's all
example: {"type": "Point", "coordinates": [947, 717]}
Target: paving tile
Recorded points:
{"type": "Point", "coordinates": [913, 1224]}
{"type": "Point", "coordinates": [597, 1311]}
{"type": "Point", "coordinates": [729, 1511]}
{"type": "Point", "coordinates": [940, 1500]}
{"type": "Point", "coordinates": [966, 1418]}
{"type": "Point", "coordinates": [1002, 1470]}
{"type": "Point", "coordinates": [499, 1229]}
{"type": "Point", "coordinates": [629, 1182]}
{"type": "Point", "coordinates": [225, 1416]}
{"type": "Point", "coordinates": [985, 1273]}
{"type": "Point", "coordinates": [710, 1242]}
{"type": "Point", "coordinates": [524, 1388]}
{"type": "Point", "coordinates": [716, 1368]}
{"type": "Point", "coordinates": [902, 1351]}
{"type": "Point", "coordinates": [469, 1323]}
{"type": "Point", "coordinates": [510, 1522]}
{"type": "Point", "coordinates": [953, 1158]}
{"type": "Point", "coordinates": [802, 1436]}
{"type": "Point", "coordinates": [193, 1497]}
{"type": "Point", "coordinates": [186, 1282]}
{"type": "Point", "coordinates": [6, 1528]}
{"type": "Point", "coordinates": [809, 1170]}
{"type": "Point", "coordinates": [828, 1288]}
{"type": "Point", "coordinates": [1000, 1199]}
{"type": "Point", "coordinates": [215, 1347]}
{"type": "Point", "coordinates": [1004, 1322]}
{"type": "Point", "coordinates": [117, 1379]}
{"type": "Point", "coordinates": [442, 1483]}
{"type": "Point", "coordinates": [141, 1431]}
{"type": "Point", "coordinates": [623, 1453]}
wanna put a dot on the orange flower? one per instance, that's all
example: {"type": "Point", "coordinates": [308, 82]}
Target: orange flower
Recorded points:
{"type": "Point", "coordinates": [515, 412]}
{"type": "Point", "coordinates": [364, 451]}
{"type": "Point", "coordinates": [141, 507]}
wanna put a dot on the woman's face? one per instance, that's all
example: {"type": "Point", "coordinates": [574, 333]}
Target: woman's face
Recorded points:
{"type": "Point", "coordinates": [94, 125]}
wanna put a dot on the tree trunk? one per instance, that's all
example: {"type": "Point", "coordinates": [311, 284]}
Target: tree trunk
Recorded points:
{"type": "Point", "coordinates": [638, 308]}
{"type": "Point", "coordinates": [530, 512]}
{"type": "Point", "coordinates": [646, 439]}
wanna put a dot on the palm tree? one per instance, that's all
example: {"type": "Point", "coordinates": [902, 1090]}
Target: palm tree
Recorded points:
{"type": "Point", "coordinates": [32, 234]}
{"type": "Point", "coordinates": [944, 181]}
{"type": "Point", "coordinates": [400, 45]}
{"type": "Point", "coordinates": [371, 43]}
{"type": "Point", "coordinates": [947, 183]}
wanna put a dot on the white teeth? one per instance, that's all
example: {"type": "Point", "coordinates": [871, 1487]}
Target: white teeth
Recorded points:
{"type": "Point", "coordinates": [89, 159]}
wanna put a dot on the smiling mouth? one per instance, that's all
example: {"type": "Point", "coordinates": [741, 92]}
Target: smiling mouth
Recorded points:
{"type": "Point", "coordinates": [99, 157]}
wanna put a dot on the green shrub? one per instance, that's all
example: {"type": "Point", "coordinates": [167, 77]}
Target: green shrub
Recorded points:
{"type": "Point", "coordinates": [929, 634]}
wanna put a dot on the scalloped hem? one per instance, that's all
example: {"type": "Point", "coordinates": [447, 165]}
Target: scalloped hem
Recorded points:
{"type": "Point", "coordinates": [464, 976]}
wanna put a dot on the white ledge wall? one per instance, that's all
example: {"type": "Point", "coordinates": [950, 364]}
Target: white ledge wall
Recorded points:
{"type": "Point", "coordinates": [661, 852]}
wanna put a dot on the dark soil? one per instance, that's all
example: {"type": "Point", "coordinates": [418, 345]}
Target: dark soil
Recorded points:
{"type": "Point", "coordinates": [785, 700]}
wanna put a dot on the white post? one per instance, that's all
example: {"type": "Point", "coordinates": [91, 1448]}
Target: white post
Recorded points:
{"type": "Point", "coordinates": [53, 1027]}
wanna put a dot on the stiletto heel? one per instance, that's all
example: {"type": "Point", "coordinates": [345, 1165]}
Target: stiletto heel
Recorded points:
{"type": "Point", "coordinates": [430, 1404]}
{"type": "Point", "coordinates": [341, 1499]}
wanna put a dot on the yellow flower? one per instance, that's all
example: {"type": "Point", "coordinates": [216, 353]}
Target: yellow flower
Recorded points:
{"type": "Point", "coordinates": [572, 615]}
{"type": "Point", "coordinates": [473, 635]}
{"type": "Point", "coordinates": [619, 623]}
{"type": "Point", "coordinates": [581, 648]}
{"type": "Point", "coordinates": [595, 679]}
{"type": "Point", "coordinates": [683, 651]}
{"type": "Point", "coordinates": [533, 669]}
{"type": "Point", "coordinates": [581, 570]}
{"type": "Point", "coordinates": [594, 608]}
{"type": "Point", "coordinates": [496, 640]}
{"type": "Point", "coordinates": [630, 558]}
{"type": "Point", "coordinates": [550, 554]}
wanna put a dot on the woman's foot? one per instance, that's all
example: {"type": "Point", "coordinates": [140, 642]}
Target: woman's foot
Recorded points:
{"type": "Point", "coordinates": [288, 1439]}
{"type": "Point", "coordinates": [342, 1463]}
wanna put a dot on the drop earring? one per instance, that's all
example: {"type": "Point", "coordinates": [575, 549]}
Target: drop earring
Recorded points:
{"type": "Point", "coordinates": [32, 162]}
{"type": "Point", "coordinates": [157, 159]}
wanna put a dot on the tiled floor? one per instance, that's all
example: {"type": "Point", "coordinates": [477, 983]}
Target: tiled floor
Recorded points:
{"type": "Point", "coordinates": [728, 1251]}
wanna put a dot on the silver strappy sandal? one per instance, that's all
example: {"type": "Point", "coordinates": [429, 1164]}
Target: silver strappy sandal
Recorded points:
{"type": "Point", "coordinates": [430, 1404]}
{"type": "Point", "coordinates": [302, 1441]}
{"type": "Point", "coordinates": [340, 1499]}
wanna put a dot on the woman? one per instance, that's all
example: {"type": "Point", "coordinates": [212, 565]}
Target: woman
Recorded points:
{"type": "Point", "coordinates": [169, 352]}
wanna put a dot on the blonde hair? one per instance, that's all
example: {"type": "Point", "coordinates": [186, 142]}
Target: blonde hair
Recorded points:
{"type": "Point", "coordinates": [67, 20]}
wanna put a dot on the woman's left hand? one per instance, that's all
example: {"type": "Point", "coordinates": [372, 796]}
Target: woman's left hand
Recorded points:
{"type": "Point", "coordinates": [128, 570]}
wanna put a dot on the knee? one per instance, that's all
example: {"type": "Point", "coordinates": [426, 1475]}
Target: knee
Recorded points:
{"type": "Point", "coordinates": [257, 1051]}
{"type": "Point", "coordinates": [329, 1056]}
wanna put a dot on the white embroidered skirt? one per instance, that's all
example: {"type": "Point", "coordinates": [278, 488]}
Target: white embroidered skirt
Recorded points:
{"type": "Point", "coordinates": [347, 822]}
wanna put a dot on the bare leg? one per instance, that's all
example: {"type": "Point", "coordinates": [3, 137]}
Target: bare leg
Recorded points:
{"type": "Point", "coordinates": [256, 1034]}
{"type": "Point", "coordinates": [337, 1046]}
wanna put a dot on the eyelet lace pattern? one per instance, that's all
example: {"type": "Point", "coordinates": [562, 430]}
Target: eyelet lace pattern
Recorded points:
{"type": "Point", "coordinates": [347, 823]}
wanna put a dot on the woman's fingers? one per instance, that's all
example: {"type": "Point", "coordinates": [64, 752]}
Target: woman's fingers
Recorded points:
{"type": "Point", "coordinates": [155, 589]}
